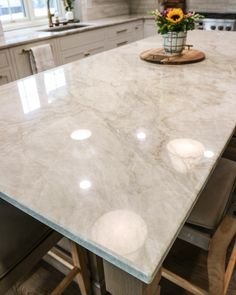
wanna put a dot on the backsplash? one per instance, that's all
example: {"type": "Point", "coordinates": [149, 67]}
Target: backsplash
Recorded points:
{"type": "Point", "coordinates": [94, 9]}
{"type": "Point", "coordinates": [142, 6]}
{"type": "Point", "coordinates": [212, 5]}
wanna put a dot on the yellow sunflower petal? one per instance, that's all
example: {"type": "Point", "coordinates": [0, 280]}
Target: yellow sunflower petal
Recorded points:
{"type": "Point", "coordinates": [175, 15]}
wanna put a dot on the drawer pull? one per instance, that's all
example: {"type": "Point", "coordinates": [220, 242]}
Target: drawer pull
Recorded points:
{"type": "Point", "coordinates": [121, 31]}
{"type": "Point", "coordinates": [2, 76]}
{"type": "Point", "coordinates": [87, 54]}
{"type": "Point", "coordinates": [136, 28]}
{"type": "Point", "coordinates": [122, 43]}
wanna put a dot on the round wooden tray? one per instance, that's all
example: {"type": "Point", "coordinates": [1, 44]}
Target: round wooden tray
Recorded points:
{"type": "Point", "coordinates": [157, 55]}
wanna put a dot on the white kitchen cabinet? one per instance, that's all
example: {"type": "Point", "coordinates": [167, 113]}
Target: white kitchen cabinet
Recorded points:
{"type": "Point", "coordinates": [123, 34]}
{"type": "Point", "coordinates": [119, 31]}
{"type": "Point", "coordinates": [150, 28]}
{"type": "Point", "coordinates": [20, 57]}
{"type": "Point", "coordinates": [6, 71]}
{"type": "Point", "coordinates": [77, 46]}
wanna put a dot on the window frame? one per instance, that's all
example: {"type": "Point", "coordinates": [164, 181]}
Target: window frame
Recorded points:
{"type": "Point", "coordinates": [30, 18]}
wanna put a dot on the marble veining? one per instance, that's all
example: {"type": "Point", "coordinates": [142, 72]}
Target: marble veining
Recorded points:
{"type": "Point", "coordinates": [113, 151]}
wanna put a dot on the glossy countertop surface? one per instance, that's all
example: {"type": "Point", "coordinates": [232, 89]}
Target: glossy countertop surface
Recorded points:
{"type": "Point", "coordinates": [34, 34]}
{"type": "Point", "coordinates": [112, 151]}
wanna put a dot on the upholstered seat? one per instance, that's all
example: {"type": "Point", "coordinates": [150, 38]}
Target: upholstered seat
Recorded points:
{"type": "Point", "coordinates": [21, 235]}
{"type": "Point", "coordinates": [230, 151]}
{"type": "Point", "coordinates": [215, 198]}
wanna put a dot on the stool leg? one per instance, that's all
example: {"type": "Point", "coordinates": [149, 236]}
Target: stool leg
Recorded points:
{"type": "Point", "coordinates": [79, 260]}
{"type": "Point", "coordinates": [217, 254]}
{"type": "Point", "coordinates": [97, 275]}
{"type": "Point", "coordinates": [230, 269]}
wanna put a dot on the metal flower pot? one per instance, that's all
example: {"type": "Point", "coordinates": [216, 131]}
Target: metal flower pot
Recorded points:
{"type": "Point", "coordinates": [174, 42]}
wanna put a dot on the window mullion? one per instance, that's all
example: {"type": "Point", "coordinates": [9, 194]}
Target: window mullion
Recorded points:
{"type": "Point", "coordinates": [29, 9]}
{"type": "Point", "coordinates": [61, 9]}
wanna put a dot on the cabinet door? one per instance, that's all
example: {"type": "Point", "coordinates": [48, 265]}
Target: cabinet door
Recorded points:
{"type": "Point", "coordinates": [21, 58]}
{"type": "Point", "coordinates": [5, 76]}
{"type": "Point", "coordinates": [4, 59]}
{"type": "Point", "coordinates": [138, 31]}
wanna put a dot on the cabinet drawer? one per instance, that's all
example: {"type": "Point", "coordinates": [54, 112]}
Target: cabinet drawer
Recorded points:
{"type": "Point", "coordinates": [82, 39]}
{"type": "Point", "coordinates": [5, 76]}
{"type": "Point", "coordinates": [85, 51]}
{"type": "Point", "coordinates": [120, 41]}
{"type": "Point", "coordinates": [4, 59]}
{"type": "Point", "coordinates": [119, 31]}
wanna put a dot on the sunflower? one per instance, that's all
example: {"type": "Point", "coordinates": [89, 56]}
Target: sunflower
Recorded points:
{"type": "Point", "coordinates": [175, 15]}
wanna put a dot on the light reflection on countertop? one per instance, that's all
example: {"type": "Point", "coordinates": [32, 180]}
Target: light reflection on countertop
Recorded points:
{"type": "Point", "coordinates": [85, 184]}
{"type": "Point", "coordinates": [121, 231]}
{"type": "Point", "coordinates": [28, 89]}
{"type": "Point", "coordinates": [28, 92]}
{"type": "Point", "coordinates": [81, 134]}
{"type": "Point", "coordinates": [185, 153]}
{"type": "Point", "coordinates": [54, 80]}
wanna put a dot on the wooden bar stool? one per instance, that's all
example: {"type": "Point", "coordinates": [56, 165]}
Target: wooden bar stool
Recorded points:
{"type": "Point", "coordinates": [212, 227]}
{"type": "Point", "coordinates": [24, 241]}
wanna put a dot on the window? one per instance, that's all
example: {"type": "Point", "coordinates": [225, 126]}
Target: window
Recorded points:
{"type": "Point", "coordinates": [11, 10]}
{"type": "Point", "coordinates": [40, 7]}
{"type": "Point", "coordinates": [21, 12]}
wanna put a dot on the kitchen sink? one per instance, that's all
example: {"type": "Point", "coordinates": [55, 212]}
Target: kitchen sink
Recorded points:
{"type": "Point", "coordinates": [65, 28]}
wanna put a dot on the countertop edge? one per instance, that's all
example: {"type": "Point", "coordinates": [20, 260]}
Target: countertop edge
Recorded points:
{"type": "Point", "coordinates": [105, 254]}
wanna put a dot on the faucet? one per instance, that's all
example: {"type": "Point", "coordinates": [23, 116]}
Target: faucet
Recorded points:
{"type": "Point", "coordinates": [50, 15]}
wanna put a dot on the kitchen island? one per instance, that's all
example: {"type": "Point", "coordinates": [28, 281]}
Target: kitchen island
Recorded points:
{"type": "Point", "coordinates": [88, 149]}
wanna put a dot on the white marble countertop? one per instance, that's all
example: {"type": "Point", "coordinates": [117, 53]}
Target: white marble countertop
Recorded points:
{"type": "Point", "coordinates": [24, 36]}
{"type": "Point", "coordinates": [88, 147]}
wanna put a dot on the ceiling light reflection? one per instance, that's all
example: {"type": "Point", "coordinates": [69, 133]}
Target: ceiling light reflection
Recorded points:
{"type": "Point", "coordinates": [85, 184]}
{"type": "Point", "coordinates": [209, 154]}
{"type": "Point", "coordinates": [141, 136]}
{"type": "Point", "coordinates": [81, 134]}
